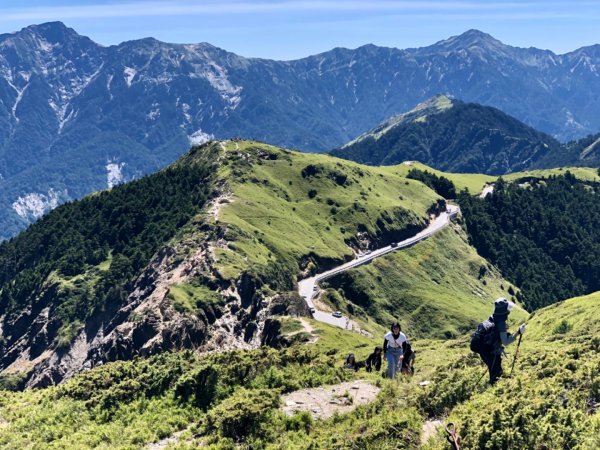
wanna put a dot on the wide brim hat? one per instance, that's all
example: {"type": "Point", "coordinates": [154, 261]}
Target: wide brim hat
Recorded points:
{"type": "Point", "coordinates": [502, 307]}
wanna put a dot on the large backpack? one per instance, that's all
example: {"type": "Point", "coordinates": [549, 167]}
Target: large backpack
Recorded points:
{"type": "Point", "coordinates": [484, 337]}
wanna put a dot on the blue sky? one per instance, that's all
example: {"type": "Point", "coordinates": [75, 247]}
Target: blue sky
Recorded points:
{"type": "Point", "coordinates": [284, 29]}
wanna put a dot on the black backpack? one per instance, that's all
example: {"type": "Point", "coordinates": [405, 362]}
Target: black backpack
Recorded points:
{"type": "Point", "coordinates": [484, 337]}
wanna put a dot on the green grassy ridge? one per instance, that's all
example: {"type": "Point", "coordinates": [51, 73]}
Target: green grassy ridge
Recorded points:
{"type": "Point", "coordinates": [437, 288]}
{"type": "Point", "coordinates": [279, 216]}
{"type": "Point", "coordinates": [475, 182]}
{"type": "Point", "coordinates": [581, 314]}
{"type": "Point", "coordinates": [127, 405]}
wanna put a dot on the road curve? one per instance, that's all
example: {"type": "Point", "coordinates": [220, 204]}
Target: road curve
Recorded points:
{"type": "Point", "coordinates": [307, 288]}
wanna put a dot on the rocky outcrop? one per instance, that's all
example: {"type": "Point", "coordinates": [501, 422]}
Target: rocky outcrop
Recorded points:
{"type": "Point", "coordinates": [144, 320]}
{"type": "Point", "coordinates": [144, 324]}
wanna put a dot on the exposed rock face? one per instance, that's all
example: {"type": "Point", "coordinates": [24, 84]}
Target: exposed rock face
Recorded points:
{"type": "Point", "coordinates": [145, 323]}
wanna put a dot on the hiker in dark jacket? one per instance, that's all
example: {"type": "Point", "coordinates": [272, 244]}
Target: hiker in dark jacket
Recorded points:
{"type": "Point", "coordinates": [409, 358]}
{"type": "Point", "coordinates": [491, 337]}
{"type": "Point", "coordinates": [351, 362]}
{"type": "Point", "coordinates": [374, 360]}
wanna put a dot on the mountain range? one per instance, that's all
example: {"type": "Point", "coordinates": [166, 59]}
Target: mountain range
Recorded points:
{"type": "Point", "coordinates": [76, 116]}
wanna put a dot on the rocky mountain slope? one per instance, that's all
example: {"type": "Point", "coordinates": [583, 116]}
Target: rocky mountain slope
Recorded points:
{"type": "Point", "coordinates": [76, 117]}
{"type": "Point", "coordinates": [196, 256]}
{"type": "Point", "coordinates": [581, 152]}
{"type": "Point", "coordinates": [454, 137]}
{"type": "Point", "coordinates": [204, 255]}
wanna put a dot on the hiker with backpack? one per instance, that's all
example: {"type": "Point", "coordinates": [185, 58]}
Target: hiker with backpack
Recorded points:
{"type": "Point", "coordinates": [392, 348]}
{"type": "Point", "coordinates": [491, 336]}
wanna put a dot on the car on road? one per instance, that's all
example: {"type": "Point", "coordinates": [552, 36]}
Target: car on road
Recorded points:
{"type": "Point", "coordinates": [368, 252]}
{"type": "Point", "coordinates": [394, 244]}
{"type": "Point", "coordinates": [336, 314]}
{"type": "Point", "coordinates": [312, 310]}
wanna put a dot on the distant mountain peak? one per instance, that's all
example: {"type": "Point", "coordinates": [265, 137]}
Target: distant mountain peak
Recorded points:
{"type": "Point", "coordinates": [439, 102]}
{"type": "Point", "coordinates": [470, 39]}
{"type": "Point", "coordinates": [451, 135]}
{"type": "Point", "coordinates": [474, 34]}
{"type": "Point", "coordinates": [53, 33]}
{"type": "Point", "coordinates": [434, 105]}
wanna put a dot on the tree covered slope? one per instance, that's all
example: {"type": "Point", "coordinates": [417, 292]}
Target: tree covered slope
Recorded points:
{"type": "Point", "coordinates": [454, 137]}
{"type": "Point", "coordinates": [542, 233]}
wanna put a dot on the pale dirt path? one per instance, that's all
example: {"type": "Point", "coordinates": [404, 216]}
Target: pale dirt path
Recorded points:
{"type": "Point", "coordinates": [160, 445]}
{"type": "Point", "coordinates": [323, 402]}
{"type": "Point", "coordinates": [488, 189]}
{"type": "Point", "coordinates": [307, 327]}
{"type": "Point", "coordinates": [430, 428]}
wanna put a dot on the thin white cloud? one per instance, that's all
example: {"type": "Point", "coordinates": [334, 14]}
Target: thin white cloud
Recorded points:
{"type": "Point", "coordinates": [178, 8]}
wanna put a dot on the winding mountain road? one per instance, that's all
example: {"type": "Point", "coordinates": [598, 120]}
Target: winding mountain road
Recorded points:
{"type": "Point", "coordinates": [308, 287]}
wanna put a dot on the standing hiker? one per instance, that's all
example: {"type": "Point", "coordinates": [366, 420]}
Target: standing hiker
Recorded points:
{"type": "Point", "coordinates": [392, 348]}
{"type": "Point", "coordinates": [491, 337]}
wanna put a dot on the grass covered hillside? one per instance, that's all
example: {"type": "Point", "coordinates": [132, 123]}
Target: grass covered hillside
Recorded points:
{"type": "Point", "coordinates": [438, 288]}
{"type": "Point", "coordinates": [232, 400]}
{"type": "Point", "coordinates": [268, 217]}
{"type": "Point", "coordinates": [287, 212]}
{"type": "Point", "coordinates": [553, 398]}
{"type": "Point", "coordinates": [189, 256]}
{"type": "Point", "coordinates": [475, 182]}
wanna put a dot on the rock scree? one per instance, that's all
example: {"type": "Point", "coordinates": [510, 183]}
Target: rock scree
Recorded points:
{"type": "Point", "coordinates": [323, 402]}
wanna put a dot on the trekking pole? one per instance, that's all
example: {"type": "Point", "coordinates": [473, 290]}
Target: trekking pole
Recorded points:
{"type": "Point", "coordinates": [516, 353]}
{"type": "Point", "coordinates": [486, 370]}
{"type": "Point", "coordinates": [452, 435]}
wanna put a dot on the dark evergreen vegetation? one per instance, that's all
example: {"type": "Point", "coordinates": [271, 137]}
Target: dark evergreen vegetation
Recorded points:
{"type": "Point", "coordinates": [123, 227]}
{"type": "Point", "coordinates": [581, 152]}
{"type": "Point", "coordinates": [465, 137]}
{"type": "Point", "coordinates": [441, 185]}
{"type": "Point", "coordinates": [543, 234]}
